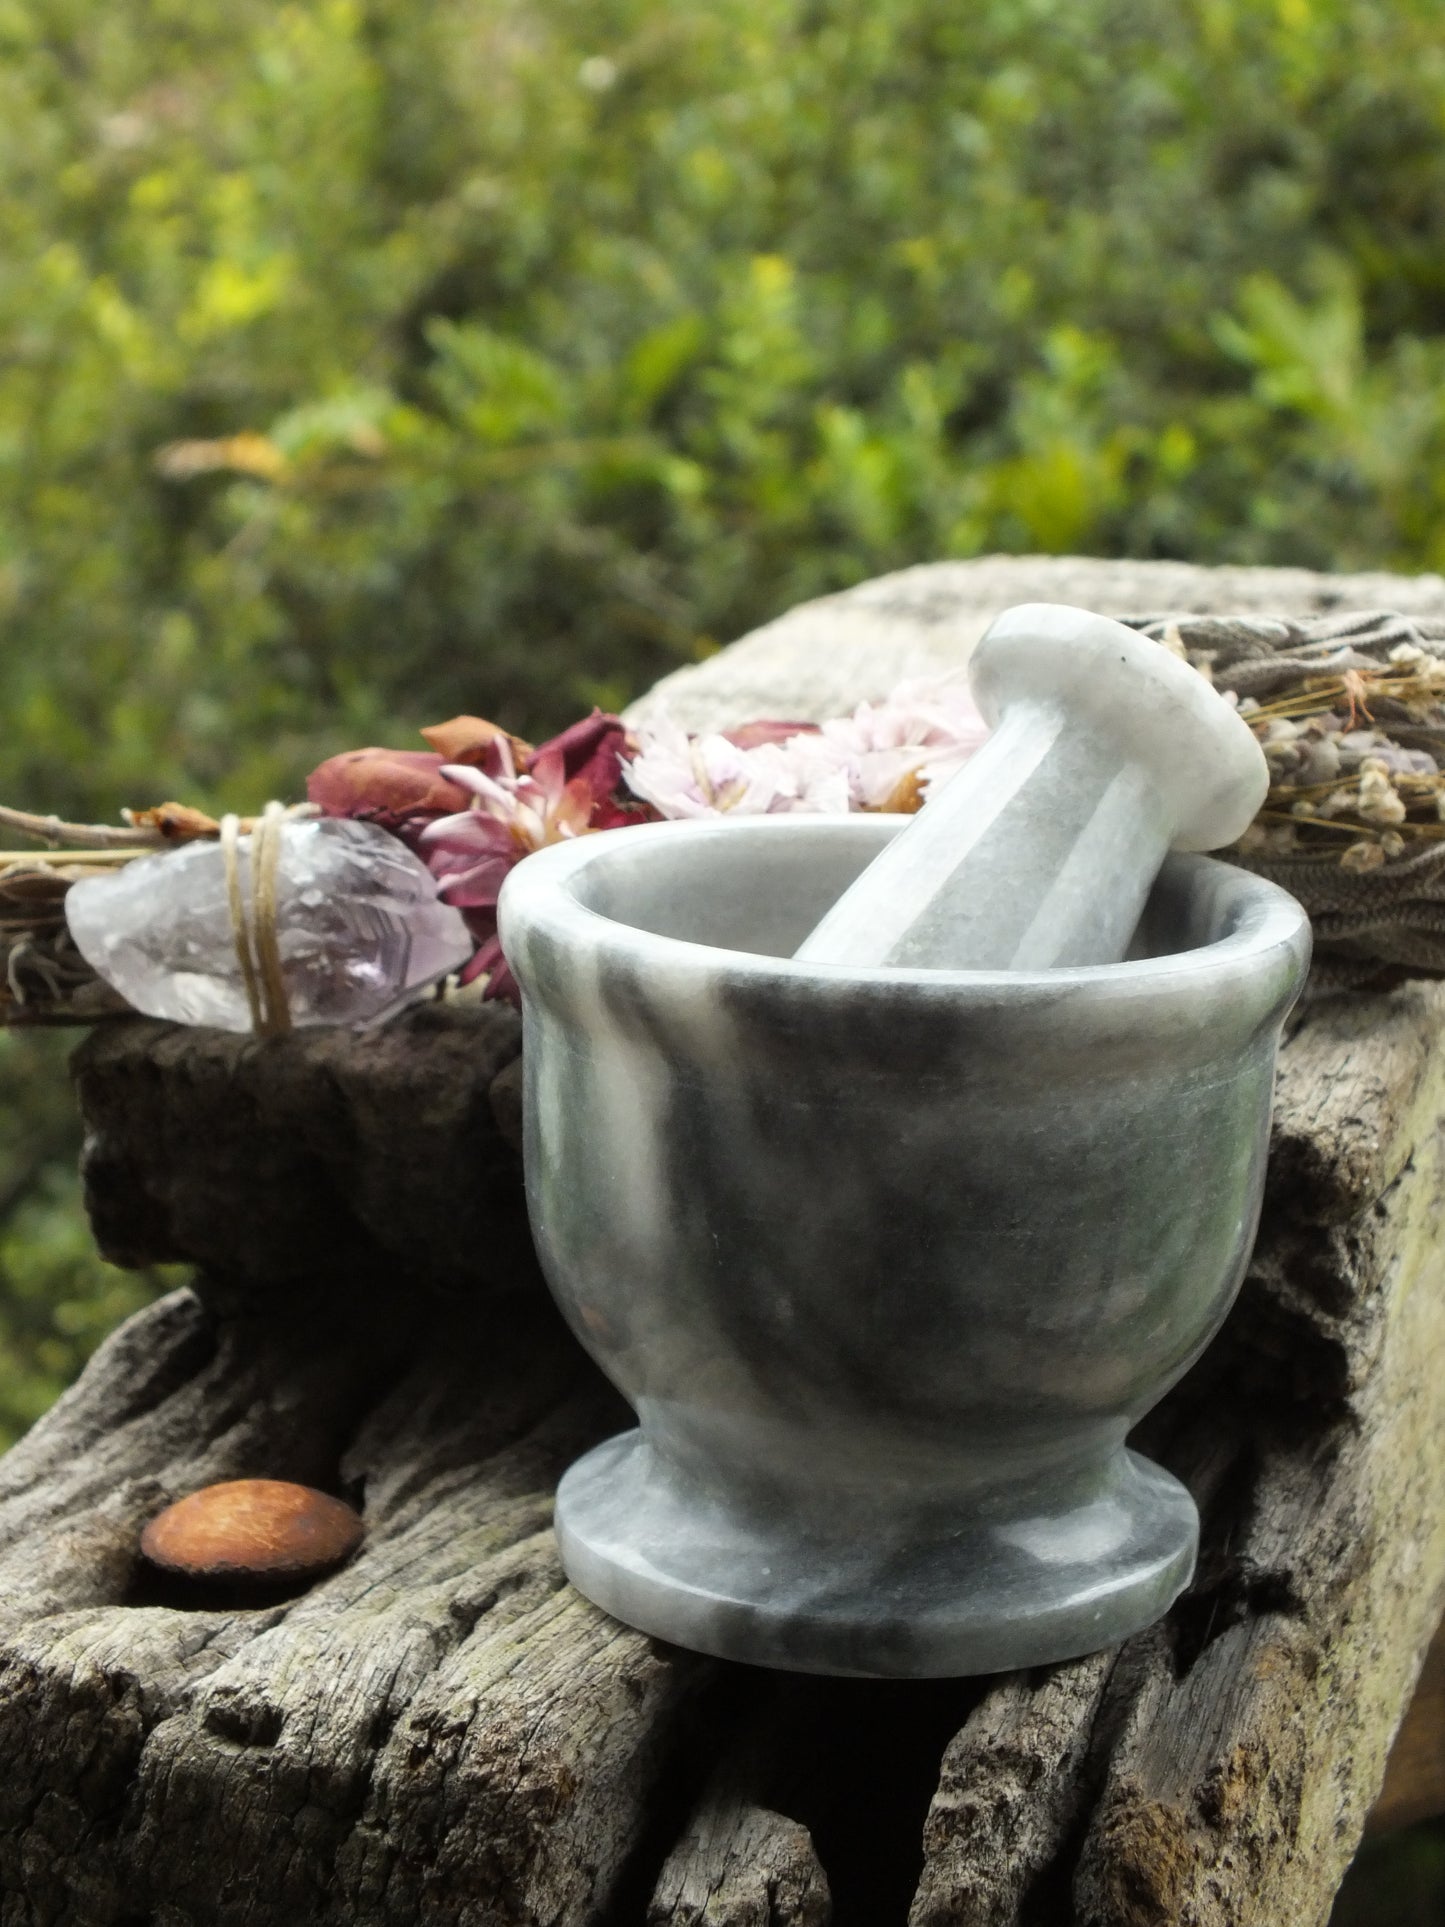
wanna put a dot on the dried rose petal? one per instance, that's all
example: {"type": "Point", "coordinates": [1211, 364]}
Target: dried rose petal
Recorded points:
{"type": "Point", "coordinates": [590, 752]}
{"type": "Point", "coordinates": [386, 786]}
{"type": "Point", "coordinates": [489, 962]}
{"type": "Point", "coordinates": [472, 739]}
{"type": "Point", "coordinates": [753, 735]}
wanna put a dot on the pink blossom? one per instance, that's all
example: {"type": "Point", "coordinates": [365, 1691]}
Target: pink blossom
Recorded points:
{"type": "Point", "coordinates": [565, 790]}
{"type": "Point", "coordinates": [487, 961]}
{"type": "Point", "coordinates": [590, 753]}
{"type": "Point", "coordinates": [512, 814]}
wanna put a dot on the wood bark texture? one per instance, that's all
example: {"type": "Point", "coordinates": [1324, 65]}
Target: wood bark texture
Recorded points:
{"type": "Point", "coordinates": [443, 1733]}
{"type": "Point", "coordinates": [739, 1862]}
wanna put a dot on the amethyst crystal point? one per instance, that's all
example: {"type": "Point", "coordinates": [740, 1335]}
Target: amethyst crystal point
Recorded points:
{"type": "Point", "coordinates": [359, 928]}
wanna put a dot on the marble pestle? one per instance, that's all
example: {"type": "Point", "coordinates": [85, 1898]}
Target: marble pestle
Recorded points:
{"type": "Point", "coordinates": [1107, 752]}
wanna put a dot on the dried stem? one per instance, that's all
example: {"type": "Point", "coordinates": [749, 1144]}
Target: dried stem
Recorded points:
{"type": "Point", "coordinates": [90, 836]}
{"type": "Point", "coordinates": [49, 860]}
{"type": "Point", "coordinates": [1318, 822]}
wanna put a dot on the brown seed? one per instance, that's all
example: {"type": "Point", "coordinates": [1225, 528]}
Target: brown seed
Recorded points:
{"type": "Point", "coordinates": [252, 1529]}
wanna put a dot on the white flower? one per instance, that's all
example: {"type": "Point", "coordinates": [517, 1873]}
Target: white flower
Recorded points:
{"type": "Point", "coordinates": [918, 736]}
{"type": "Point", "coordinates": [884, 756]}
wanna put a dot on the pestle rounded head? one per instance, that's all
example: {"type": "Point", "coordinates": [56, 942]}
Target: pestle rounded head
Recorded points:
{"type": "Point", "coordinates": [1210, 772]}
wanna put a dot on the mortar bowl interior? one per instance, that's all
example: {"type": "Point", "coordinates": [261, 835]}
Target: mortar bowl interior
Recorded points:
{"type": "Point", "coordinates": [759, 885]}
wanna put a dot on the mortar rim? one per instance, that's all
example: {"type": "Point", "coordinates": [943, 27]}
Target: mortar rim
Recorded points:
{"type": "Point", "coordinates": [537, 897]}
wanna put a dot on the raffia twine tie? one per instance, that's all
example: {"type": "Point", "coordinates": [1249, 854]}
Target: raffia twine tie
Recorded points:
{"type": "Point", "coordinates": [253, 924]}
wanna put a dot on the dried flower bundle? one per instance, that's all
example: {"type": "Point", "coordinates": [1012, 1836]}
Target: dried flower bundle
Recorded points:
{"type": "Point", "coordinates": [1350, 712]}
{"type": "Point", "coordinates": [43, 977]}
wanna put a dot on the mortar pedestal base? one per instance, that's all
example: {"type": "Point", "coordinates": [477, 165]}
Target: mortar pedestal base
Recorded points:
{"type": "Point", "coordinates": [876, 1595]}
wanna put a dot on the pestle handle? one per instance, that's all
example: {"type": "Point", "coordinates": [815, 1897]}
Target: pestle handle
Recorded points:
{"type": "Point", "coordinates": [1107, 753]}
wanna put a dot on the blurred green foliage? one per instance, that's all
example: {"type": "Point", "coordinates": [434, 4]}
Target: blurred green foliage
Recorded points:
{"type": "Point", "coordinates": [361, 362]}
{"type": "Point", "coordinates": [566, 337]}
{"type": "Point", "coordinates": [57, 1299]}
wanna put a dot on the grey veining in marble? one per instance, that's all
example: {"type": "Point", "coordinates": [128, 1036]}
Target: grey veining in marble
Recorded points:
{"type": "Point", "coordinates": [1107, 752]}
{"type": "Point", "coordinates": [888, 1261]}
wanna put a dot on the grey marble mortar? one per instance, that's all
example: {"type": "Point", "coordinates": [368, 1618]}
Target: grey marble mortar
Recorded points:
{"type": "Point", "coordinates": [888, 1261]}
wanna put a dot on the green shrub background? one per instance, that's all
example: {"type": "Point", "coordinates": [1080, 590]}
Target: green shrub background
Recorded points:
{"type": "Point", "coordinates": [360, 363]}
{"type": "Point", "coordinates": [569, 339]}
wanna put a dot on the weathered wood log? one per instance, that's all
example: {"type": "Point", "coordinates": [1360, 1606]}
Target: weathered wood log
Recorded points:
{"type": "Point", "coordinates": [740, 1862]}
{"type": "Point", "coordinates": [741, 1865]}
{"type": "Point", "coordinates": [332, 1155]}
{"type": "Point", "coordinates": [443, 1732]}
{"type": "Point", "coordinates": [1011, 1790]}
